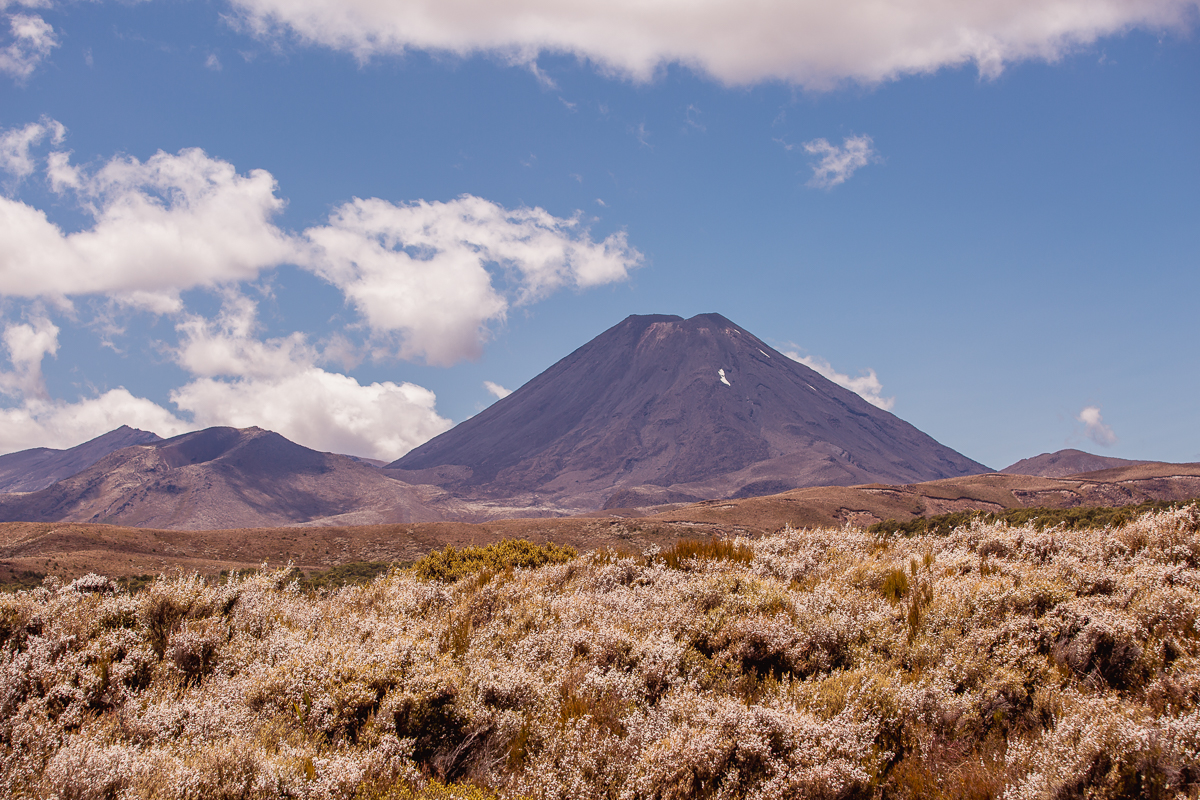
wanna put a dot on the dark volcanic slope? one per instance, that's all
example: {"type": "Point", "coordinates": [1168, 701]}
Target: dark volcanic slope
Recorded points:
{"type": "Point", "coordinates": [226, 478]}
{"type": "Point", "coordinates": [697, 404]}
{"type": "Point", "coordinates": [1066, 462]}
{"type": "Point", "coordinates": [30, 470]}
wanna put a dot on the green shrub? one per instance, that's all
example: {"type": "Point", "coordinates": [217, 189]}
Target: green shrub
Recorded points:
{"type": "Point", "coordinates": [1092, 517]}
{"type": "Point", "coordinates": [23, 579]}
{"type": "Point", "coordinates": [355, 572]}
{"type": "Point", "coordinates": [449, 565]}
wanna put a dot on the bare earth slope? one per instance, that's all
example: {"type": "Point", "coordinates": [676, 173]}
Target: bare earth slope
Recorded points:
{"type": "Point", "coordinates": [659, 408]}
{"type": "Point", "coordinates": [228, 478]}
{"type": "Point", "coordinates": [1066, 462]}
{"type": "Point", "coordinates": [30, 470]}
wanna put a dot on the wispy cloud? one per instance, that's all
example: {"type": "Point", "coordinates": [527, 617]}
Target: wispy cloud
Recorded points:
{"type": "Point", "coordinates": [16, 146]}
{"type": "Point", "coordinates": [866, 386]}
{"type": "Point", "coordinates": [30, 40]}
{"type": "Point", "coordinates": [496, 389]}
{"type": "Point", "coordinates": [642, 135]}
{"type": "Point", "coordinates": [1094, 427]}
{"type": "Point", "coordinates": [837, 164]}
{"type": "Point", "coordinates": [544, 80]}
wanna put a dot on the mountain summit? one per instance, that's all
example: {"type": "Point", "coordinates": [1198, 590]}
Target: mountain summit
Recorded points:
{"type": "Point", "coordinates": [30, 470]}
{"type": "Point", "coordinates": [664, 409]}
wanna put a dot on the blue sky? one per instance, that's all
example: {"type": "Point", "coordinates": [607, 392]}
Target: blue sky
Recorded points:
{"type": "Point", "coordinates": [343, 219]}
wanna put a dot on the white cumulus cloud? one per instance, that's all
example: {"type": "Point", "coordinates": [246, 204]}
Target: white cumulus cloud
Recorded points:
{"type": "Point", "coordinates": [238, 380]}
{"type": "Point", "coordinates": [866, 386]}
{"type": "Point", "coordinates": [171, 223]}
{"type": "Point", "coordinates": [809, 43]}
{"type": "Point", "coordinates": [1094, 427]}
{"type": "Point", "coordinates": [62, 424]}
{"type": "Point", "coordinates": [322, 410]}
{"type": "Point", "coordinates": [30, 40]}
{"type": "Point", "coordinates": [27, 344]}
{"type": "Point", "coordinates": [36, 420]}
{"type": "Point", "coordinates": [428, 278]}
{"type": "Point", "coordinates": [274, 384]}
{"type": "Point", "coordinates": [427, 272]}
{"type": "Point", "coordinates": [227, 346]}
{"type": "Point", "coordinates": [837, 164]}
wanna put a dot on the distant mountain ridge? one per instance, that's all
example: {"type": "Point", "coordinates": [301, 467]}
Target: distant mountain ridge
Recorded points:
{"type": "Point", "coordinates": [655, 410]}
{"type": "Point", "coordinates": [30, 470]}
{"type": "Point", "coordinates": [228, 478]}
{"type": "Point", "coordinates": [1063, 463]}
{"type": "Point", "coordinates": [662, 407]}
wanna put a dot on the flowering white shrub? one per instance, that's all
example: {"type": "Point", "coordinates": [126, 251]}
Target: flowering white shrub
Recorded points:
{"type": "Point", "coordinates": [995, 662]}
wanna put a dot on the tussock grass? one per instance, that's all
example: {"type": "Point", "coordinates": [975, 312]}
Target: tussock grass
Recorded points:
{"type": "Point", "coordinates": [996, 661]}
{"type": "Point", "coordinates": [714, 549]}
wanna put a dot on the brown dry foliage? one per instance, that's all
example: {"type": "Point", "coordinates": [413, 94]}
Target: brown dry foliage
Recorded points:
{"type": "Point", "coordinates": [995, 662]}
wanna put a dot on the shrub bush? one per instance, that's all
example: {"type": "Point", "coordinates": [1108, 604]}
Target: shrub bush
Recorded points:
{"type": "Point", "coordinates": [686, 550]}
{"type": "Point", "coordinates": [449, 565]}
{"type": "Point", "coordinates": [816, 663]}
{"type": "Point", "coordinates": [1040, 518]}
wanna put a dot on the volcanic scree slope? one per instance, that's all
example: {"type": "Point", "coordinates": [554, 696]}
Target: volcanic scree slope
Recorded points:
{"type": "Point", "coordinates": [663, 409]}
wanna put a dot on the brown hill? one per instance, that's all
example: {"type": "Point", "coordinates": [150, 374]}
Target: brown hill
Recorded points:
{"type": "Point", "coordinates": [30, 470]}
{"type": "Point", "coordinates": [73, 549]}
{"type": "Point", "coordinates": [228, 478]}
{"type": "Point", "coordinates": [663, 409]}
{"type": "Point", "coordinates": [864, 505]}
{"type": "Point", "coordinates": [1066, 462]}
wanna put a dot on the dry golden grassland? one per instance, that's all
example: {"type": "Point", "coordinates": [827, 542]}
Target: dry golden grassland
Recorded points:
{"type": "Point", "coordinates": [993, 662]}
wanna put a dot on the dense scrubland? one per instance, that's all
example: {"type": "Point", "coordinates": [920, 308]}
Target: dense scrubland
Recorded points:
{"type": "Point", "coordinates": [998, 660]}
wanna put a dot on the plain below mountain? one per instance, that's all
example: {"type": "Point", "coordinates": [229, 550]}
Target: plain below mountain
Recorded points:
{"type": "Point", "coordinates": [663, 409]}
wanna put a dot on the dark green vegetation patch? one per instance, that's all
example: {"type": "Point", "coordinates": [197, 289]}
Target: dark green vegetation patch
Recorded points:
{"type": "Point", "coordinates": [16, 580]}
{"type": "Point", "coordinates": [449, 565]}
{"type": "Point", "coordinates": [1093, 517]}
